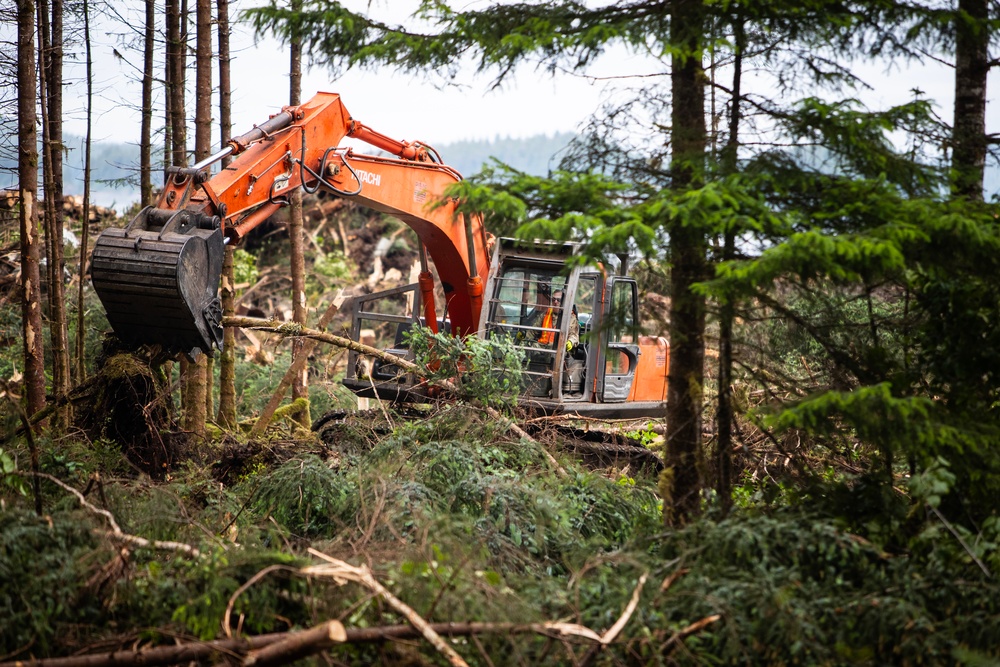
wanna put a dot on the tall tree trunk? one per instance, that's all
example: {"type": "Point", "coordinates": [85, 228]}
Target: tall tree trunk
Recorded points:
{"type": "Point", "coordinates": [54, 86]}
{"type": "Point", "coordinates": [225, 82]}
{"type": "Point", "coordinates": [300, 385]}
{"type": "Point", "coordinates": [203, 80]}
{"type": "Point", "coordinates": [227, 360]}
{"type": "Point", "coordinates": [47, 201]}
{"type": "Point", "coordinates": [171, 31]}
{"type": "Point", "coordinates": [724, 415]}
{"type": "Point", "coordinates": [176, 15]}
{"type": "Point", "coordinates": [972, 66]}
{"type": "Point", "coordinates": [168, 83]}
{"type": "Point", "coordinates": [55, 92]}
{"type": "Point", "coordinates": [50, 71]}
{"type": "Point", "coordinates": [180, 135]}
{"type": "Point", "coordinates": [687, 253]}
{"type": "Point", "coordinates": [81, 367]}
{"type": "Point", "coordinates": [146, 129]}
{"type": "Point", "coordinates": [27, 166]}
{"type": "Point", "coordinates": [199, 373]}
{"type": "Point", "coordinates": [176, 46]}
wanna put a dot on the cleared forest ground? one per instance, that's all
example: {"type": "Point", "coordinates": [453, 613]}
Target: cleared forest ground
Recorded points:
{"type": "Point", "coordinates": [458, 519]}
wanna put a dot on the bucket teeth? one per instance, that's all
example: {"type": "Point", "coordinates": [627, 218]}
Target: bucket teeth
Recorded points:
{"type": "Point", "coordinates": [161, 287]}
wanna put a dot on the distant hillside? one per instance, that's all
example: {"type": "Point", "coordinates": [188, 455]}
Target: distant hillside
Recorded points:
{"type": "Point", "coordinates": [535, 155]}
{"type": "Point", "coordinates": [115, 179]}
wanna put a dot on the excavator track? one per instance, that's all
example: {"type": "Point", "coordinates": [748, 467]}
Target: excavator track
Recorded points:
{"type": "Point", "coordinates": [158, 280]}
{"type": "Point", "coordinates": [600, 448]}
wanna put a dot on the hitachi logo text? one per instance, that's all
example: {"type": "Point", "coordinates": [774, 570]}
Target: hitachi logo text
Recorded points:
{"type": "Point", "coordinates": [368, 177]}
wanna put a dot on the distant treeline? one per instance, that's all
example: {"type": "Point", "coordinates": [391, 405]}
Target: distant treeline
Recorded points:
{"type": "Point", "coordinates": [115, 176]}
{"type": "Point", "coordinates": [534, 155]}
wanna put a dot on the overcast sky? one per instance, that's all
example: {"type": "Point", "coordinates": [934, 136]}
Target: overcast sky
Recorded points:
{"type": "Point", "coordinates": [411, 107]}
{"type": "Point", "coordinates": [404, 107]}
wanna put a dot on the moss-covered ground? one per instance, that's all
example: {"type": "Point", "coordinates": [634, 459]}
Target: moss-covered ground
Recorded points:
{"type": "Point", "coordinates": [463, 522]}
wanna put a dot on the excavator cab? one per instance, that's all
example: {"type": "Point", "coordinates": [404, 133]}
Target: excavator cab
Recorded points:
{"type": "Point", "coordinates": [587, 357]}
{"type": "Point", "coordinates": [529, 306]}
{"type": "Point", "coordinates": [538, 303]}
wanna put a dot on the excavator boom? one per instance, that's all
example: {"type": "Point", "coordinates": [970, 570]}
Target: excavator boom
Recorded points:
{"type": "Point", "coordinates": [158, 277]}
{"type": "Point", "coordinates": [576, 327]}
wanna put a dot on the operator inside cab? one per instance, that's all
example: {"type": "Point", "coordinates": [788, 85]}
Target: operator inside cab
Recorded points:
{"type": "Point", "coordinates": [546, 316]}
{"type": "Point", "coordinates": [541, 316]}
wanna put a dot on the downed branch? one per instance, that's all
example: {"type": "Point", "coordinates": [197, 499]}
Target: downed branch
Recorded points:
{"type": "Point", "coordinates": [116, 531]}
{"type": "Point", "coordinates": [158, 656]}
{"type": "Point", "coordinates": [76, 394]}
{"type": "Point", "coordinates": [340, 571]}
{"type": "Point", "coordinates": [616, 629]}
{"type": "Point", "coordinates": [200, 651]}
{"type": "Point", "coordinates": [697, 626]}
{"type": "Point", "coordinates": [672, 578]}
{"type": "Point", "coordinates": [622, 621]}
{"type": "Point", "coordinates": [298, 645]}
{"type": "Point", "coordinates": [294, 329]}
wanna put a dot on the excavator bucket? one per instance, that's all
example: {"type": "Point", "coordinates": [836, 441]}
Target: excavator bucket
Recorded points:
{"type": "Point", "coordinates": [158, 279]}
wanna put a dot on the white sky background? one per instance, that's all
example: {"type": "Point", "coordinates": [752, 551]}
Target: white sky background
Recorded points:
{"type": "Point", "coordinates": [414, 107]}
{"type": "Point", "coordinates": [402, 106]}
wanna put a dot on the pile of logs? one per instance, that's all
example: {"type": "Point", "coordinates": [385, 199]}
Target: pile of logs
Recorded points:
{"type": "Point", "coordinates": [98, 215]}
{"type": "Point", "coordinates": [10, 256]}
{"type": "Point", "coordinates": [72, 207]}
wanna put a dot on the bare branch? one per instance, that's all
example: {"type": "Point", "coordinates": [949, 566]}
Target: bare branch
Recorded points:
{"type": "Point", "coordinates": [116, 531]}
{"type": "Point", "coordinates": [340, 571]}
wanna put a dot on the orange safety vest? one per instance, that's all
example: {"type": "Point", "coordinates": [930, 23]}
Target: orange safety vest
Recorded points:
{"type": "Point", "coordinates": [547, 337]}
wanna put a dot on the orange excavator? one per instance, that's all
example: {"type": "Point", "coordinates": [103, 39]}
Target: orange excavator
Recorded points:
{"type": "Point", "coordinates": [578, 328]}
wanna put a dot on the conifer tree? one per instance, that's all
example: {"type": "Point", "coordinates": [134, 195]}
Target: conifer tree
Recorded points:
{"type": "Point", "coordinates": [198, 402]}
{"type": "Point", "coordinates": [31, 292]}
{"type": "Point", "coordinates": [829, 197]}
{"type": "Point", "coordinates": [227, 359]}
{"type": "Point", "coordinates": [146, 124]}
{"type": "Point", "coordinates": [568, 31]}
{"type": "Point", "coordinates": [297, 263]}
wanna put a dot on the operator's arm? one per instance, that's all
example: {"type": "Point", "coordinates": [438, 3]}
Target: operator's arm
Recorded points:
{"type": "Point", "coordinates": [573, 337]}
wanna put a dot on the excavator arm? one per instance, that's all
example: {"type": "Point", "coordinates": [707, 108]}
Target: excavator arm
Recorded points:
{"type": "Point", "coordinates": [158, 278]}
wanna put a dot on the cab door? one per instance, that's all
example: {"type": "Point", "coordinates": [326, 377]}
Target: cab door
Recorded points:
{"type": "Point", "coordinates": [620, 354]}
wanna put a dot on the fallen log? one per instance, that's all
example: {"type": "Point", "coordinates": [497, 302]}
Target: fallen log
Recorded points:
{"type": "Point", "coordinates": [298, 645]}
{"type": "Point", "coordinates": [241, 647]}
{"type": "Point", "coordinates": [158, 656]}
